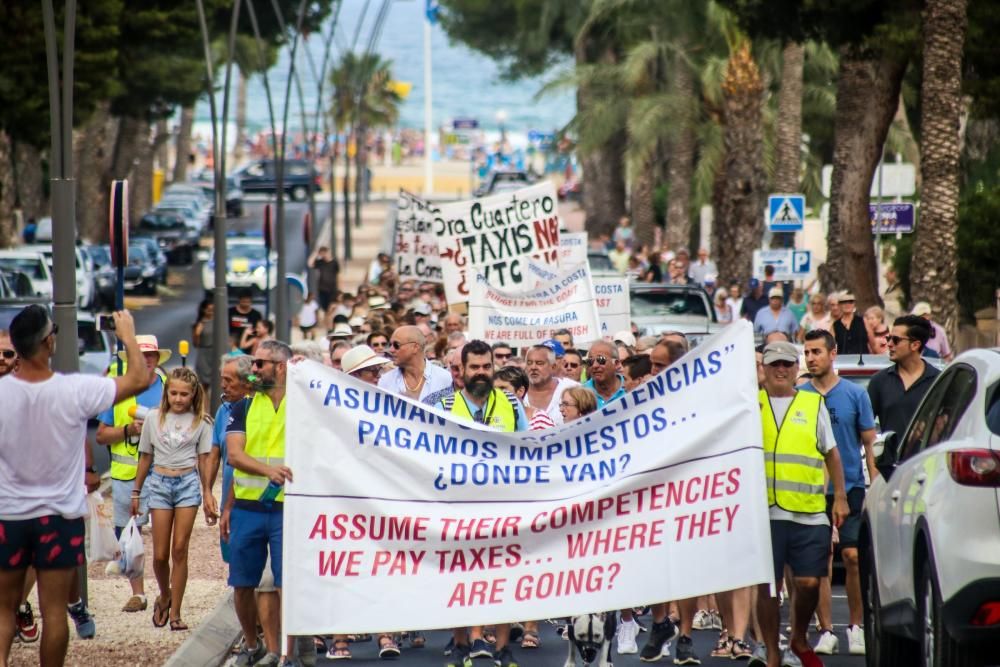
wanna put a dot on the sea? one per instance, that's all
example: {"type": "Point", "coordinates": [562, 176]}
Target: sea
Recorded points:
{"type": "Point", "coordinates": [465, 84]}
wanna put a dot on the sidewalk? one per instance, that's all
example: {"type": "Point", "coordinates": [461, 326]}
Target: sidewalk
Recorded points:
{"type": "Point", "coordinates": [130, 639]}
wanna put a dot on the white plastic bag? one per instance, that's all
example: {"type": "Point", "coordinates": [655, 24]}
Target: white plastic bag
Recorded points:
{"type": "Point", "coordinates": [132, 552]}
{"type": "Point", "coordinates": [102, 545]}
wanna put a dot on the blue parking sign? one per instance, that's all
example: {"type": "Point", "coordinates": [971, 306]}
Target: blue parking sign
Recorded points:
{"type": "Point", "coordinates": [786, 213]}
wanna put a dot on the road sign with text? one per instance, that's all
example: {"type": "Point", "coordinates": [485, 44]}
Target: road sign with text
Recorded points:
{"type": "Point", "coordinates": [785, 212]}
{"type": "Point", "coordinates": [789, 264]}
{"type": "Point", "coordinates": [894, 218]}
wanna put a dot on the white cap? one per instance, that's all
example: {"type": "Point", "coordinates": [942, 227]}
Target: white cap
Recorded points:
{"type": "Point", "coordinates": [624, 337]}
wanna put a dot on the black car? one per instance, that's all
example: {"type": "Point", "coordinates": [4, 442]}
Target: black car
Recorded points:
{"type": "Point", "coordinates": [261, 177]}
{"type": "Point", "coordinates": [204, 181]}
{"type": "Point", "coordinates": [503, 180]}
{"type": "Point", "coordinates": [155, 256]}
{"type": "Point", "coordinates": [140, 272]}
{"type": "Point", "coordinates": [172, 236]}
{"type": "Point", "coordinates": [104, 275]}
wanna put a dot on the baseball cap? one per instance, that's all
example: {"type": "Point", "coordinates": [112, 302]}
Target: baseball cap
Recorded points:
{"type": "Point", "coordinates": [754, 283]}
{"type": "Point", "coordinates": [422, 308]}
{"type": "Point", "coordinates": [776, 293]}
{"type": "Point", "coordinates": [922, 308]}
{"type": "Point", "coordinates": [624, 337]}
{"type": "Point", "coordinates": [780, 350]}
{"type": "Point", "coordinates": [555, 346]}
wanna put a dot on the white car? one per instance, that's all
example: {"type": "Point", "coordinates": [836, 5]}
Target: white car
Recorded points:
{"type": "Point", "coordinates": [246, 266]}
{"type": "Point", "coordinates": [32, 264]}
{"type": "Point", "coordinates": [96, 347]}
{"type": "Point", "coordinates": [84, 273]}
{"type": "Point", "coordinates": [930, 539]}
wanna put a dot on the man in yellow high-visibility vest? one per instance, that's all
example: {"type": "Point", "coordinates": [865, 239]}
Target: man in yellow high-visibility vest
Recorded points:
{"type": "Point", "coordinates": [119, 430]}
{"type": "Point", "coordinates": [798, 442]}
{"type": "Point", "coordinates": [255, 444]}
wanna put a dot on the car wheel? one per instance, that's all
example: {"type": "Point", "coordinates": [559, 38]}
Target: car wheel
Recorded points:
{"type": "Point", "coordinates": [937, 648]}
{"type": "Point", "coordinates": [882, 649]}
{"type": "Point", "coordinates": [299, 193]}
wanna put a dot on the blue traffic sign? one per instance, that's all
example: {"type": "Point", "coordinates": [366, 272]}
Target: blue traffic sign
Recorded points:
{"type": "Point", "coordinates": [465, 124]}
{"type": "Point", "coordinates": [786, 213]}
{"type": "Point", "coordinates": [894, 218]}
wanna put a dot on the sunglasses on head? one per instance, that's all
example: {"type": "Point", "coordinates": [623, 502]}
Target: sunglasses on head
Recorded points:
{"type": "Point", "coordinates": [599, 359]}
{"type": "Point", "coordinates": [8, 354]}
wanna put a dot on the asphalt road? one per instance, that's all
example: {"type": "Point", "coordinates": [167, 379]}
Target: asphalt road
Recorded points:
{"type": "Point", "coordinates": [553, 650]}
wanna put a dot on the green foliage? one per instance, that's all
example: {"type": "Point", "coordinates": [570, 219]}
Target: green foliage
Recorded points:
{"type": "Point", "coordinates": [978, 249]}
{"type": "Point", "coordinates": [363, 91]}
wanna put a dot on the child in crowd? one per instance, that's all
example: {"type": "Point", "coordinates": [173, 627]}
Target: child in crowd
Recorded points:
{"type": "Point", "coordinates": [174, 448]}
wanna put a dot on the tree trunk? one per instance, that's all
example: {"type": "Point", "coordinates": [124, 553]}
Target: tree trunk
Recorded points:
{"type": "Point", "coordinates": [604, 168]}
{"type": "Point", "coordinates": [91, 161]}
{"type": "Point", "coordinates": [788, 148]}
{"type": "Point", "coordinates": [30, 189]}
{"type": "Point", "coordinates": [739, 224]}
{"type": "Point", "coordinates": [682, 162]}
{"type": "Point", "coordinates": [131, 143]}
{"type": "Point", "coordinates": [162, 146]}
{"type": "Point", "coordinates": [140, 186]}
{"type": "Point", "coordinates": [241, 117]}
{"type": "Point", "coordinates": [641, 202]}
{"type": "Point", "coordinates": [935, 261]}
{"type": "Point", "coordinates": [8, 229]}
{"type": "Point", "coordinates": [867, 98]}
{"type": "Point", "coordinates": [183, 147]}
{"type": "Point", "coordinates": [360, 175]}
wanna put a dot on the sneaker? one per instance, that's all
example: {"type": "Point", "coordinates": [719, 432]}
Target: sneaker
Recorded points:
{"type": "Point", "coordinates": [459, 656]}
{"type": "Point", "coordinates": [684, 653]}
{"type": "Point", "coordinates": [723, 648]}
{"type": "Point", "coordinates": [758, 657]}
{"type": "Point", "coordinates": [626, 633]}
{"type": "Point", "coordinates": [85, 626]}
{"type": "Point", "coordinates": [480, 649]}
{"type": "Point", "coordinates": [702, 620]}
{"type": "Point", "coordinates": [789, 659]}
{"type": "Point", "coordinates": [740, 650]}
{"type": "Point", "coordinates": [248, 657]}
{"type": "Point", "coordinates": [828, 643]}
{"type": "Point", "coordinates": [716, 618]}
{"type": "Point", "coordinates": [27, 629]}
{"type": "Point", "coordinates": [269, 660]}
{"type": "Point", "coordinates": [504, 658]}
{"type": "Point", "coordinates": [855, 640]}
{"type": "Point", "coordinates": [659, 634]}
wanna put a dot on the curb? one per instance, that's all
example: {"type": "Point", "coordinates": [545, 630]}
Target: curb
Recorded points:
{"type": "Point", "coordinates": [209, 645]}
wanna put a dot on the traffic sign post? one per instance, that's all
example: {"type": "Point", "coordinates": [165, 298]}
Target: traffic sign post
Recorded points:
{"type": "Point", "coordinates": [785, 212]}
{"type": "Point", "coordinates": [891, 218]}
{"type": "Point", "coordinates": [789, 264]}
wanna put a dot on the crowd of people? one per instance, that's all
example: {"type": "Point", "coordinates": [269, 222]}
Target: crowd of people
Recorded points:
{"type": "Point", "coordinates": [167, 453]}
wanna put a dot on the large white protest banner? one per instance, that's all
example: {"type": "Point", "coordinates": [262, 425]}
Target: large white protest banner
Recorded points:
{"type": "Point", "coordinates": [613, 303]}
{"type": "Point", "coordinates": [398, 516]}
{"type": "Point", "coordinates": [415, 248]}
{"type": "Point", "coordinates": [572, 248]}
{"type": "Point", "coordinates": [530, 318]}
{"type": "Point", "coordinates": [495, 236]}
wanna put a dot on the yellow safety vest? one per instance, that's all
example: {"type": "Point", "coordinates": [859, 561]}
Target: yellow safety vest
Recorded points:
{"type": "Point", "coordinates": [792, 464]}
{"type": "Point", "coordinates": [499, 411]}
{"type": "Point", "coordinates": [125, 457]}
{"type": "Point", "coordinates": [265, 432]}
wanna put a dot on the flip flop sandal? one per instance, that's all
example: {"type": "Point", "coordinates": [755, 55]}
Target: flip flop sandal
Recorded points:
{"type": "Point", "coordinates": [161, 612]}
{"type": "Point", "coordinates": [388, 650]}
{"type": "Point", "coordinates": [177, 625]}
{"type": "Point", "coordinates": [320, 644]}
{"type": "Point", "coordinates": [341, 650]}
{"type": "Point", "coordinates": [530, 640]}
{"type": "Point", "coordinates": [417, 640]}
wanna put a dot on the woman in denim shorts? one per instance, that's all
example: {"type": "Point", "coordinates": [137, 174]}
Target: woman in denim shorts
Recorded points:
{"type": "Point", "coordinates": [173, 471]}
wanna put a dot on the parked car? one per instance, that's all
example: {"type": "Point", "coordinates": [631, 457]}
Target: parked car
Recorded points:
{"type": "Point", "coordinates": [172, 235]}
{"type": "Point", "coordinates": [104, 275]}
{"type": "Point", "coordinates": [32, 264]}
{"type": "Point", "coordinates": [97, 348]}
{"type": "Point", "coordinates": [260, 177]}
{"type": "Point", "coordinates": [658, 308]}
{"type": "Point", "coordinates": [141, 271]}
{"type": "Point", "coordinates": [84, 273]}
{"type": "Point", "coordinates": [599, 261]}
{"type": "Point", "coordinates": [503, 180]}
{"type": "Point", "coordinates": [234, 194]}
{"type": "Point", "coordinates": [246, 266]}
{"type": "Point", "coordinates": [155, 256]}
{"type": "Point", "coordinates": [930, 539]}
{"type": "Point", "coordinates": [196, 218]}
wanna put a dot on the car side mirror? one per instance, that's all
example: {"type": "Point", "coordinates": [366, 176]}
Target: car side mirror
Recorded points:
{"type": "Point", "coordinates": [885, 448]}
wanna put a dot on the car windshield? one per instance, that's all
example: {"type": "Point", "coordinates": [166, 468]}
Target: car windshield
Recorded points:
{"type": "Point", "coordinates": [137, 255]}
{"type": "Point", "coordinates": [160, 222]}
{"type": "Point", "coordinates": [667, 304]}
{"type": "Point", "coordinates": [247, 251]}
{"type": "Point", "coordinates": [91, 339]}
{"type": "Point", "coordinates": [101, 254]}
{"type": "Point", "coordinates": [599, 262]}
{"type": "Point", "coordinates": [33, 268]}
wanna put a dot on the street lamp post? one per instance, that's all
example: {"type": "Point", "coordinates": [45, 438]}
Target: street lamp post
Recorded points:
{"type": "Point", "coordinates": [501, 117]}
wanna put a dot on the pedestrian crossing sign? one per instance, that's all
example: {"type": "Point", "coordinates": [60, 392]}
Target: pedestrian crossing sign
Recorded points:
{"type": "Point", "coordinates": [785, 213]}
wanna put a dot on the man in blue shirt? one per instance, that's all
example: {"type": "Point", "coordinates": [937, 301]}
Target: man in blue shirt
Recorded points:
{"type": "Point", "coordinates": [853, 423]}
{"type": "Point", "coordinates": [775, 317]}
{"type": "Point", "coordinates": [605, 381]}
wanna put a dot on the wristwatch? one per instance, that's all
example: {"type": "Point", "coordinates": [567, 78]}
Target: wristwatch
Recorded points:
{"type": "Point", "coordinates": [90, 469]}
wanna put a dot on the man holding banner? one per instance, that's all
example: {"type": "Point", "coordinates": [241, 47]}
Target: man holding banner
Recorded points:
{"type": "Point", "coordinates": [798, 441]}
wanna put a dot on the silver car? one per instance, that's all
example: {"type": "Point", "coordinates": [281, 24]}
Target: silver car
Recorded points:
{"type": "Point", "coordinates": [659, 308]}
{"type": "Point", "coordinates": [930, 539]}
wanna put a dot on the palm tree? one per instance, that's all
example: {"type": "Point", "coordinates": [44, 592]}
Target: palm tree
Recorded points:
{"type": "Point", "coordinates": [934, 277]}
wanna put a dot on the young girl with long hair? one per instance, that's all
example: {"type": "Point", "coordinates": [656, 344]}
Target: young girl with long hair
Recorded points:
{"type": "Point", "coordinates": [174, 448]}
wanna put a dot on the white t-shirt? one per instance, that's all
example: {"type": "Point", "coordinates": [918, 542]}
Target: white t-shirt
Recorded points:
{"type": "Point", "coordinates": [307, 316]}
{"type": "Point", "coordinates": [41, 443]}
{"type": "Point", "coordinates": [552, 409]}
{"type": "Point", "coordinates": [824, 443]}
{"type": "Point", "coordinates": [178, 442]}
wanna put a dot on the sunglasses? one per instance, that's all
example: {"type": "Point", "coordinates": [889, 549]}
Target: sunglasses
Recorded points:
{"type": "Point", "coordinates": [571, 364]}
{"type": "Point", "coordinates": [600, 360]}
{"type": "Point", "coordinates": [55, 330]}
{"type": "Point", "coordinates": [379, 344]}
{"type": "Point", "coordinates": [896, 340]}
{"type": "Point", "coordinates": [259, 363]}
{"type": "Point", "coordinates": [8, 354]}
{"type": "Point", "coordinates": [396, 344]}
{"type": "Point", "coordinates": [781, 364]}
{"type": "Point", "coordinates": [503, 355]}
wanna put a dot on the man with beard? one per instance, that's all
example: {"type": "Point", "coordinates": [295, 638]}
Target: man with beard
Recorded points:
{"type": "Point", "coordinates": [8, 355]}
{"type": "Point", "coordinates": [545, 387]}
{"type": "Point", "coordinates": [255, 435]}
{"type": "Point", "coordinates": [481, 402]}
